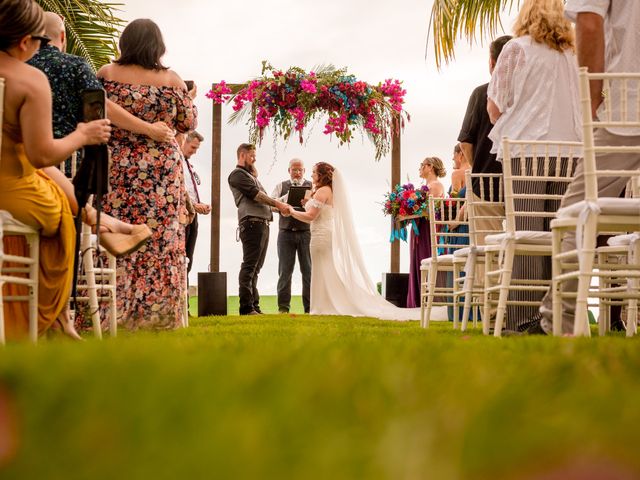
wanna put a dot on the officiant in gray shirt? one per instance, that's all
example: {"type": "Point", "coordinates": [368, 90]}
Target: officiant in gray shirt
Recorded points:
{"type": "Point", "coordinates": [293, 238]}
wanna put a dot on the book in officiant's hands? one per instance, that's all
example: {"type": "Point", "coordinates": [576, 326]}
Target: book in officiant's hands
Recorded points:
{"type": "Point", "coordinates": [296, 194]}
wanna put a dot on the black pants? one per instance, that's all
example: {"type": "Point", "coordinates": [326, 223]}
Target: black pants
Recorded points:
{"type": "Point", "coordinates": [291, 242]}
{"type": "Point", "coordinates": [190, 236]}
{"type": "Point", "coordinates": [255, 239]}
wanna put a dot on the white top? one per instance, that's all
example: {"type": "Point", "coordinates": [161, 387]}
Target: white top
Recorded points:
{"type": "Point", "coordinates": [622, 37]}
{"type": "Point", "coordinates": [536, 89]}
{"type": "Point", "coordinates": [188, 181]}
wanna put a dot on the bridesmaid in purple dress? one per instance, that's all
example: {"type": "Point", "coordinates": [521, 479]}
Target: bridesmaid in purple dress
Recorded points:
{"type": "Point", "coordinates": [431, 169]}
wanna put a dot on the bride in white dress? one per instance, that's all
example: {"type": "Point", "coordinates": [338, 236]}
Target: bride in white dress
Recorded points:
{"type": "Point", "coordinates": [340, 284]}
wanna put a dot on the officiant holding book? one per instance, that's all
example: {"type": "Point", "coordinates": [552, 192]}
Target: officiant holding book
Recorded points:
{"type": "Point", "coordinates": [293, 238]}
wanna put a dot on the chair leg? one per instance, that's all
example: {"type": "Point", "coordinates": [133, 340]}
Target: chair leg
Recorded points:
{"type": "Point", "coordinates": [632, 287]}
{"type": "Point", "coordinates": [486, 300]}
{"type": "Point", "coordinates": [90, 279]}
{"type": "Point", "coordinates": [556, 286]}
{"type": "Point", "coordinates": [34, 252]}
{"type": "Point", "coordinates": [113, 309]}
{"type": "Point", "coordinates": [433, 274]}
{"type": "Point", "coordinates": [505, 281]}
{"type": "Point", "coordinates": [469, 276]}
{"type": "Point", "coordinates": [423, 283]}
{"type": "Point", "coordinates": [2, 334]}
{"type": "Point", "coordinates": [455, 297]}
{"type": "Point", "coordinates": [586, 259]}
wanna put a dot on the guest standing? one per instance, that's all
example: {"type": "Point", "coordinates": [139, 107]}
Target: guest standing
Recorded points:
{"type": "Point", "coordinates": [147, 184]}
{"type": "Point", "coordinates": [431, 169]}
{"type": "Point", "coordinates": [533, 95]}
{"type": "Point", "coordinates": [293, 237]}
{"type": "Point", "coordinates": [189, 148]}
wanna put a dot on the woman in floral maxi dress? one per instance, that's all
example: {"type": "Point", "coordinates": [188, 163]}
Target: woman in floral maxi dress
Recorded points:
{"type": "Point", "coordinates": [146, 180]}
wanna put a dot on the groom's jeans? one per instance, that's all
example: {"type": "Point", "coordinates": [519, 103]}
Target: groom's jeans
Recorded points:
{"type": "Point", "coordinates": [291, 242]}
{"type": "Point", "coordinates": [254, 236]}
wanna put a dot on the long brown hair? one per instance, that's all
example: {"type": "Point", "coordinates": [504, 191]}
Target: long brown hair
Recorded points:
{"type": "Point", "coordinates": [19, 18]}
{"type": "Point", "coordinates": [141, 44]}
{"type": "Point", "coordinates": [325, 175]}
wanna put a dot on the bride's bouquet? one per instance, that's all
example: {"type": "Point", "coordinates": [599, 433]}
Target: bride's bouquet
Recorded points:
{"type": "Point", "coordinates": [404, 204]}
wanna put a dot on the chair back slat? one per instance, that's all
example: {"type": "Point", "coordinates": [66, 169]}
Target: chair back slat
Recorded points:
{"type": "Point", "coordinates": [620, 110]}
{"type": "Point", "coordinates": [448, 225]}
{"type": "Point", "coordinates": [485, 212]}
{"type": "Point", "coordinates": [536, 178]}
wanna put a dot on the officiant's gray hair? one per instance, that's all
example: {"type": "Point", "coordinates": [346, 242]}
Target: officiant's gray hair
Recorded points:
{"type": "Point", "coordinates": [295, 160]}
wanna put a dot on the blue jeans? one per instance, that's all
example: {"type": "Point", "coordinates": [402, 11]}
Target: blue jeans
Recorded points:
{"type": "Point", "coordinates": [291, 242]}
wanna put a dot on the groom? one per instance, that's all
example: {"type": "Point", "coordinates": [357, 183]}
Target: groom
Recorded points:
{"type": "Point", "coordinates": [254, 215]}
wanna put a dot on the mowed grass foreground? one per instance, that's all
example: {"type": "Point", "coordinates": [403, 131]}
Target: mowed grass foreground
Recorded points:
{"type": "Point", "coordinates": [296, 396]}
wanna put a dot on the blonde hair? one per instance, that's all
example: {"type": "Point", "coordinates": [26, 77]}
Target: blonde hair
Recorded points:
{"type": "Point", "coordinates": [438, 166]}
{"type": "Point", "coordinates": [545, 22]}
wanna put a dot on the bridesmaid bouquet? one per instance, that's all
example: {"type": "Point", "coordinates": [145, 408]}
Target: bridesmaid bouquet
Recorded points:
{"type": "Point", "coordinates": [404, 204]}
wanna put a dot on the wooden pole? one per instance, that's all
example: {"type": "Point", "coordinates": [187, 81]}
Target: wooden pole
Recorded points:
{"type": "Point", "coordinates": [395, 179]}
{"type": "Point", "coordinates": [216, 167]}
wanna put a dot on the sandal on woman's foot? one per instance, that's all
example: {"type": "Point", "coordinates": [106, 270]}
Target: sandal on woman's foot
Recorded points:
{"type": "Point", "coordinates": [119, 244]}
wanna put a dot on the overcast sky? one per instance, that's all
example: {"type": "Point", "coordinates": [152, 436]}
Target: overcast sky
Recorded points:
{"type": "Point", "coordinates": [208, 42]}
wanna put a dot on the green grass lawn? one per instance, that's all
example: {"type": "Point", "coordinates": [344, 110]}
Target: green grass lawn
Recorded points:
{"type": "Point", "coordinates": [297, 396]}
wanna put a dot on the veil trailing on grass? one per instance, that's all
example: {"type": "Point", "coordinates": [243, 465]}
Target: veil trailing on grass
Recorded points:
{"type": "Point", "coordinates": [349, 262]}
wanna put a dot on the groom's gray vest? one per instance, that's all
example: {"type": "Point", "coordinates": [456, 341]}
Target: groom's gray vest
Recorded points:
{"type": "Point", "coordinates": [248, 207]}
{"type": "Point", "coordinates": [290, 223]}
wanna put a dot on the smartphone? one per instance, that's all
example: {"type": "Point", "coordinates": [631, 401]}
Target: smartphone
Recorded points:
{"type": "Point", "coordinates": [189, 84]}
{"type": "Point", "coordinates": [93, 104]}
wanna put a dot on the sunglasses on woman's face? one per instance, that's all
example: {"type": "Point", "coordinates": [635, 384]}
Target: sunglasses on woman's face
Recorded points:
{"type": "Point", "coordinates": [43, 39]}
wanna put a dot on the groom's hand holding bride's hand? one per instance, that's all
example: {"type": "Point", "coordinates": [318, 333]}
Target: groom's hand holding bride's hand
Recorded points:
{"type": "Point", "coordinates": [283, 208]}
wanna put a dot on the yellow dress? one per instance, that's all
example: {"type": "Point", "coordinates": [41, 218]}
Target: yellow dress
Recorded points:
{"type": "Point", "coordinates": [36, 200]}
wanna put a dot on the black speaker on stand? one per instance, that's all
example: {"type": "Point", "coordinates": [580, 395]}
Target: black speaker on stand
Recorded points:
{"type": "Point", "coordinates": [395, 287]}
{"type": "Point", "coordinates": [212, 293]}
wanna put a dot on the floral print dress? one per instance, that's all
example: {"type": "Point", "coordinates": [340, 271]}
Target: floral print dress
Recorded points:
{"type": "Point", "coordinates": [147, 187]}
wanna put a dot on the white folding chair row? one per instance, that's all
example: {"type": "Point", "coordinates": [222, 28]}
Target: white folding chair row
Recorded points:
{"type": "Point", "coordinates": [536, 175]}
{"type": "Point", "coordinates": [594, 215]}
{"type": "Point", "coordinates": [486, 216]}
{"type": "Point", "coordinates": [449, 232]}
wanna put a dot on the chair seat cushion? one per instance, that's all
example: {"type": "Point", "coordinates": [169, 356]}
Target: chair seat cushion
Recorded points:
{"type": "Point", "coordinates": [607, 206]}
{"type": "Point", "coordinates": [445, 259]}
{"type": "Point", "coordinates": [623, 240]}
{"type": "Point", "coordinates": [527, 237]}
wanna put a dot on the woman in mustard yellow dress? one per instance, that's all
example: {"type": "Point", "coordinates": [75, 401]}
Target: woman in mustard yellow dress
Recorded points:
{"type": "Point", "coordinates": [32, 189]}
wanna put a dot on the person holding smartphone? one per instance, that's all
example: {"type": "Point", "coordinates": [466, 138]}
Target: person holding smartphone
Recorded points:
{"type": "Point", "coordinates": [69, 75]}
{"type": "Point", "coordinates": [33, 190]}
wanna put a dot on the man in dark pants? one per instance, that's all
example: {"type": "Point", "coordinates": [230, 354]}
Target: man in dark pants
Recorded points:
{"type": "Point", "coordinates": [254, 215]}
{"type": "Point", "coordinates": [294, 237]}
{"type": "Point", "coordinates": [191, 182]}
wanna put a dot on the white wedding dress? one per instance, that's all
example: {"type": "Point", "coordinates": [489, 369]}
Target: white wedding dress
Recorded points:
{"type": "Point", "coordinates": [340, 284]}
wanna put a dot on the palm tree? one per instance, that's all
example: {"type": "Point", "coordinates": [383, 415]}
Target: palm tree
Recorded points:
{"type": "Point", "coordinates": [92, 28]}
{"type": "Point", "coordinates": [454, 19]}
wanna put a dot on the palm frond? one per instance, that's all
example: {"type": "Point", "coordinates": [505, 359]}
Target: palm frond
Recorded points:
{"type": "Point", "coordinates": [471, 19]}
{"type": "Point", "coordinates": [92, 28]}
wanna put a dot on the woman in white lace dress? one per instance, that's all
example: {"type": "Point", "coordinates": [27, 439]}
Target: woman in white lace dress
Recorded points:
{"type": "Point", "coordinates": [340, 284]}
